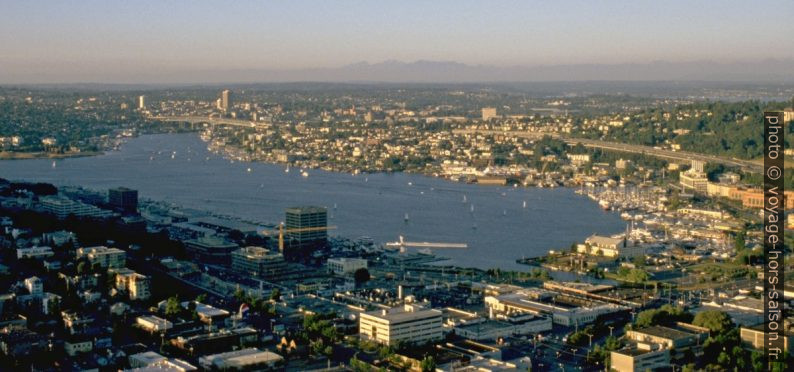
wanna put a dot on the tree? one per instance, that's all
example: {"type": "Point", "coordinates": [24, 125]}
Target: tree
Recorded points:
{"type": "Point", "coordinates": [665, 315]}
{"type": "Point", "coordinates": [716, 321]}
{"type": "Point", "coordinates": [201, 298]}
{"type": "Point", "coordinates": [428, 364]}
{"type": "Point", "coordinates": [739, 241]}
{"type": "Point", "coordinates": [361, 275]}
{"type": "Point", "coordinates": [172, 306]}
{"type": "Point", "coordinates": [275, 295]}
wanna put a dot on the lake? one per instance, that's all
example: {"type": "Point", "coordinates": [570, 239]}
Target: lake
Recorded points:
{"type": "Point", "coordinates": [493, 221]}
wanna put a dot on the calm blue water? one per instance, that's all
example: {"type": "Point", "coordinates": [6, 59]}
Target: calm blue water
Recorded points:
{"type": "Point", "coordinates": [366, 205]}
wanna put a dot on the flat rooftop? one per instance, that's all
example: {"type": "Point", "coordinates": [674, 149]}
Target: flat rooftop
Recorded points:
{"type": "Point", "coordinates": [664, 332]}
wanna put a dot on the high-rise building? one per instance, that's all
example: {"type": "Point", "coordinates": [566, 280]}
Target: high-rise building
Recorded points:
{"type": "Point", "coordinates": [123, 198]}
{"type": "Point", "coordinates": [226, 100]}
{"type": "Point", "coordinates": [141, 102]}
{"type": "Point", "coordinates": [306, 229]}
{"type": "Point", "coordinates": [488, 113]}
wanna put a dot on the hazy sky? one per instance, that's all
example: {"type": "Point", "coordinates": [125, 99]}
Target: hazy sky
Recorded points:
{"type": "Point", "coordinates": [69, 40]}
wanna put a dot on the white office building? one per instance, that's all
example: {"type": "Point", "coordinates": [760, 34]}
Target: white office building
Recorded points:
{"type": "Point", "coordinates": [407, 323]}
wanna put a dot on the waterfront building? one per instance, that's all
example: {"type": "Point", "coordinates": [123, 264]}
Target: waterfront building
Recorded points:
{"type": "Point", "coordinates": [613, 247]}
{"type": "Point", "coordinates": [258, 261]}
{"type": "Point", "coordinates": [210, 249]}
{"type": "Point", "coordinates": [62, 207]}
{"type": "Point", "coordinates": [343, 266]}
{"type": "Point", "coordinates": [108, 258]}
{"type": "Point", "coordinates": [306, 228]}
{"type": "Point", "coordinates": [141, 102]}
{"type": "Point", "coordinates": [124, 199]}
{"type": "Point", "coordinates": [407, 323]}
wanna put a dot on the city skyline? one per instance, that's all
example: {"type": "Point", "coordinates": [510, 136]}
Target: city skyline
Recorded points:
{"type": "Point", "coordinates": [196, 42]}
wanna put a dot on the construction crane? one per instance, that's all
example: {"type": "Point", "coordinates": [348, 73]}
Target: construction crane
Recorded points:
{"type": "Point", "coordinates": [282, 231]}
{"type": "Point", "coordinates": [402, 244]}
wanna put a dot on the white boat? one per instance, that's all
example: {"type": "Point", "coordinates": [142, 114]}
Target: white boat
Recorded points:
{"type": "Point", "coordinates": [525, 204]}
{"type": "Point", "coordinates": [405, 218]}
{"type": "Point", "coordinates": [53, 164]}
{"type": "Point", "coordinates": [464, 198]}
{"type": "Point", "coordinates": [471, 209]}
{"type": "Point", "coordinates": [248, 170]}
{"type": "Point", "coordinates": [305, 174]}
{"type": "Point", "coordinates": [286, 170]}
{"type": "Point", "coordinates": [425, 251]}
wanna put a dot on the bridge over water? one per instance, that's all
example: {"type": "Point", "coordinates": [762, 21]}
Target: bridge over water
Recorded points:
{"type": "Point", "coordinates": [208, 120]}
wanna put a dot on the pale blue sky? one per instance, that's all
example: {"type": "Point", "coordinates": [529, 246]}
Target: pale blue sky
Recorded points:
{"type": "Point", "coordinates": [121, 38]}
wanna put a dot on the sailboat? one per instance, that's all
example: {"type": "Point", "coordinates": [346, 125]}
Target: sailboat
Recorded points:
{"type": "Point", "coordinates": [406, 218]}
{"type": "Point", "coordinates": [464, 198]}
{"type": "Point", "coordinates": [471, 209]}
{"type": "Point", "coordinates": [53, 164]}
{"type": "Point", "coordinates": [286, 170]}
{"type": "Point", "coordinates": [525, 204]}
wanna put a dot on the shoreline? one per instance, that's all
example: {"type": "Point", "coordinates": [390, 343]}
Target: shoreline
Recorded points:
{"type": "Point", "coordinates": [46, 155]}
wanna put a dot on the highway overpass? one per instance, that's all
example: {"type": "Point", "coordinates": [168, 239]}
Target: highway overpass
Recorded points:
{"type": "Point", "coordinates": [676, 156]}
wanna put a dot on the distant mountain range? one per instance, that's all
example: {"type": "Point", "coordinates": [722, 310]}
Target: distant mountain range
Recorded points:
{"type": "Point", "coordinates": [454, 72]}
{"type": "Point", "coordinates": [763, 71]}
